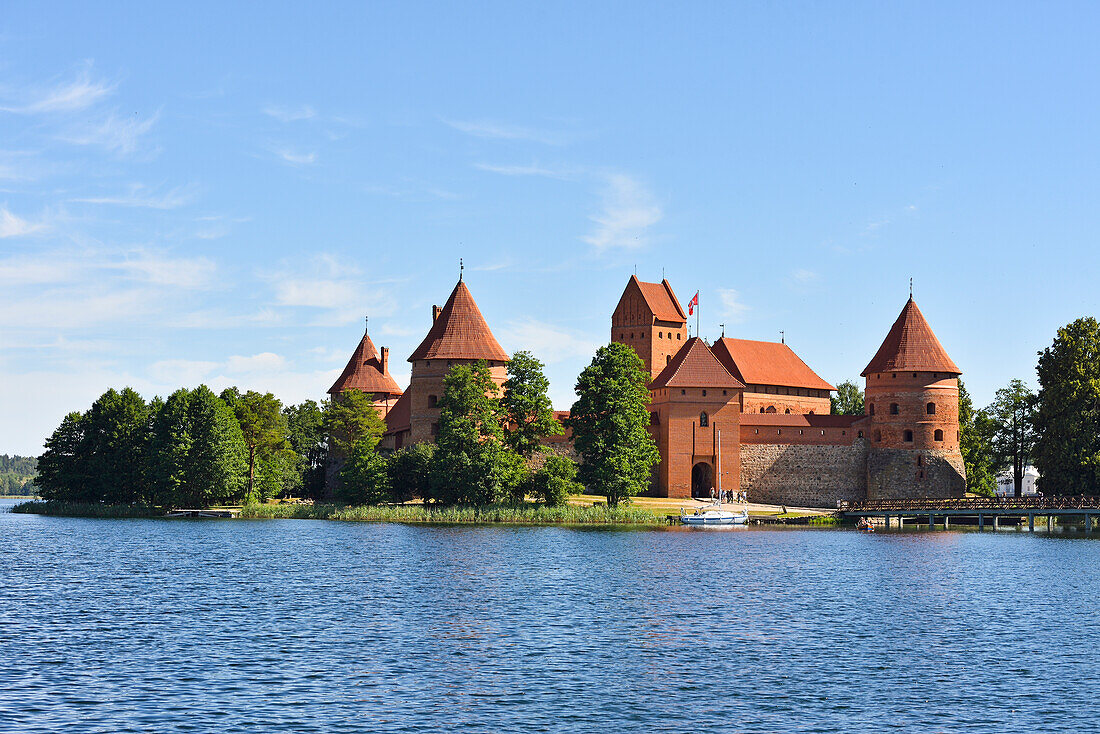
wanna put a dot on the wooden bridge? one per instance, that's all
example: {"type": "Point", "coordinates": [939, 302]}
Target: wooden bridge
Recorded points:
{"type": "Point", "coordinates": [981, 508]}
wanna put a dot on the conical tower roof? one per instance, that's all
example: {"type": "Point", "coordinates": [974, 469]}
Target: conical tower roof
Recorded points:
{"type": "Point", "coordinates": [695, 366]}
{"type": "Point", "coordinates": [911, 346]}
{"type": "Point", "coordinates": [460, 332]}
{"type": "Point", "coordinates": [365, 372]}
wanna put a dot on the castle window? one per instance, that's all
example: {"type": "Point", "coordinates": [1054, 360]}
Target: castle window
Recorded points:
{"type": "Point", "coordinates": [921, 474]}
{"type": "Point", "coordinates": [704, 393]}
{"type": "Point", "coordinates": [799, 431]}
{"type": "Point", "coordinates": [704, 420]}
{"type": "Point", "coordinates": [872, 408]}
{"type": "Point", "coordinates": [822, 431]}
{"type": "Point", "coordinates": [761, 409]}
{"type": "Point", "coordinates": [811, 412]}
{"type": "Point", "coordinates": [930, 409]}
{"type": "Point", "coordinates": [683, 392]}
{"type": "Point", "coordinates": [723, 392]}
{"type": "Point", "coordinates": [677, 337]}
{"type": "Point", "coordinates": [788, 410]}
{"type": "Point", "coordinates": [860, 435]}
{"type": "Point", "coordinates": [920, 461]}
{"type": "Point", "coordinates": [914, 374]}
{"type": "Point", "coordinates": [668, 358]}
{"type": "Point", "coordinates": [894, 375]}
{"type": "Point", "coordinates": [779, 431]}
{"type": "Point", "coordinates": [894, 409]}
{"type": "Point", "coordinates": [756, 431]}
{"type": "Point", "coordinates": [878, 435]}
{"type": "Point", "coordinates": [433, 401]}
{"type": "Point", "coordinates": [938, 435]}
{"type": "Point", "coordinates": [660, 335]}
{"type": "Point", "coordinates": [908, 436]}
{"type": "Point", "coordinates": [771, 409]}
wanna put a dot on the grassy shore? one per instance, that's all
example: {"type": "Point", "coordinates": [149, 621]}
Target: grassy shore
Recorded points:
{"type": "Point", "coordinates": [85, 509]}
{"type": "Point", "coordinates": [491, 514]}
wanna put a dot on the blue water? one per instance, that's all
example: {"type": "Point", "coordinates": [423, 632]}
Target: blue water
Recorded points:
{"type": "Point", "coordinates": [304, 626]}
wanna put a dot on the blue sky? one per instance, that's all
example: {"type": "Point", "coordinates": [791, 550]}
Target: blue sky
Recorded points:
{"type": "Point", "coordinates": [213, 192]}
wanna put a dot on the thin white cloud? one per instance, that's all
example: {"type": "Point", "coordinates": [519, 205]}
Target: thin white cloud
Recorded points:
{"type": "Point", "coordinates": [803, 276]}
{"type": "Point", "coordinates": [491, 130]}
{"type": "Point", "coordinates": [181, 371]}
{"type": "Point", "coordinates": [548, 342]}
{"type": "Point", "coordinates": [295, 158]}
{"type": "Point", "coordinates": [629, 210]}
{"type": "Point", "coordinates": [532, 170]}
{"type": "Point", "coordinates": [117, 134]}
{"type": "Point", "coordinates": [70, 96]}
{"type": "Point", "coordinates": [140, 195]}
{"type": "Point", "coordinates": [733, 309]}
{"type": "Point", "coordinates": [13, 226]}
{"type": "Point", "coordinates": [289, 114]}
{"type": "Point", "coordinates": [333, 287]}
{"type": "Point", "coordinates": [263, 362]}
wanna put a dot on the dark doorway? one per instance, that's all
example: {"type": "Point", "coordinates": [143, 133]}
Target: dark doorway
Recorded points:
{"type": "Point", "coordinates": [702, 480]}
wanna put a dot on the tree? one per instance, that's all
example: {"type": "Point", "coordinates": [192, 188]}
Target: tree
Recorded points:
{"type": "Point", "coordinates": [528, 412]}
{"type": "Point", "coordinates": [410, 472]}
{"type": "Point", "coordinates": [350, 417]}
{"type": "Point", "coordinates": [555, 481]}
{"type": "Point", "coordinates": [306, 434]}
{"type": "Point", "coordinates": [114, 447]}
{"type": "Point", "coordinates": [473, 465]}
{"type": "Point", "coordinates": [60, 475]}
{"type": "Point", "coordinates": [264, 429]}
{"type": "Point", "coordinates": [197, 453]}
{"type": "Point", "coordinates": [848, 399]}
{"type": "Point", "coordinates": [610, 422]}
{"type": "Point", "coordinates": [975, 444]}
{"type": "Point", "coordinates": [1067, 420]}
{"type": "Point", "coordinates": [365, 480]}
{"type": "Point", "coordinates": [1012, 419]}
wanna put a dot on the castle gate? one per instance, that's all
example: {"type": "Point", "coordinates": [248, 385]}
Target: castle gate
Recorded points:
{"type": "Point", "coordinates": [702, 480]}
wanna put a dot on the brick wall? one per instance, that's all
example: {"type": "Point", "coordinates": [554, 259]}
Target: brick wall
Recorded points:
{"type": "Point", "coordinates": [804, 475]}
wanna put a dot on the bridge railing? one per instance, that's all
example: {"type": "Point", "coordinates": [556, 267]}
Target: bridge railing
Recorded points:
{"type": "Point", "coordinates": [1024, 504]}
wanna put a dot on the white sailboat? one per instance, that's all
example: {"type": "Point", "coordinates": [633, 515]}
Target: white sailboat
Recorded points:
{"type": "Point", "coordinates": [713, 515]}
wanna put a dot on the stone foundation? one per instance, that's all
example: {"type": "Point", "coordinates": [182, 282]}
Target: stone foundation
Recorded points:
{"type": "Point", "coordinates": [804, 476]}
{"type": "Point", "coordinates": [915, 474]}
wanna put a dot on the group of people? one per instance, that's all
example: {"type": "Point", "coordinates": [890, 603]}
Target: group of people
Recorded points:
{"type": "Point", "coordinates": [725, 495]}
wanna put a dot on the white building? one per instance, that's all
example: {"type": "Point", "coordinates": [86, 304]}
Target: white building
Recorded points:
{"type": "Point", "coordinates": [1005, 487]}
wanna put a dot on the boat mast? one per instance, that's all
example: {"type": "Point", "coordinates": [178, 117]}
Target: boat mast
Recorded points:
{"type": "Point", "coordinates": [719, 467]}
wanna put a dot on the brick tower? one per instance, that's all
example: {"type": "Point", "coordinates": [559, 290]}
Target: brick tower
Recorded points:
{"type": "Point", "coordinates": [369, 372]}
{"type": "Point", "coordinates": [696, 422]}
{"type": "Point", "coordinates": [459, 335]}
{"type": "Point", "coordinates": [912, 404]}
{"type": "Point", "coordinates": [649, 320]}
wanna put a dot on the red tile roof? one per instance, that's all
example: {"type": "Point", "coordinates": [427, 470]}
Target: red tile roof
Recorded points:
{"type": "Point", "coordinates": [911, 346]}
{"type": "Point", "coordinates": [400, 416]}
{"type": "Point", "coordinates": [460, 332]}
{"type": "Point", "coordinates": [365, 372]}
{"type": "Point", "coordinates": [766, 363]}
{"type": "Point", "coordinates": [695, 366]}
{"type": "Point", "coordinates": [661, 300]}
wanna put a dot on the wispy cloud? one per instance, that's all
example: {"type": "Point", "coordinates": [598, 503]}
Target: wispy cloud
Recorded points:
{"type": "Point", "coordinates": [733, 309]}
{"type": "Point", "coordinates": [70, 96]}
{"type": "Point", "coordinates": [289, 114]}
{"type": "Point", "coordinates": [140, 195]}
{"type": "Point", "coordinates": [803, 276]}
{"type": "Point", "coordinates": [335, 289]}
{"type": "Point", "coordinates": [295, 158]}
{"type": "Point", "coordinates": [532, 170]}
{"type": "Point", "coordinates": [629, 210]}
{"type": "Point", "coordinates": [263, 362]}
{"type": "Point", "coordinates": [13, 226]}
{"type": "Point", "coordinates": [116, 134]}
{"type": "Point", "coordinates": [491, 130]}
{"type": "Point", "coordinates": [548, 342]}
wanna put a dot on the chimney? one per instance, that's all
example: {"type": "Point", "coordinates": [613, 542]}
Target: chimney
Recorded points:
{"type": "Point", "coordinates": [436, 310]}
{"type": "Point", "coordinates": [385, 360]}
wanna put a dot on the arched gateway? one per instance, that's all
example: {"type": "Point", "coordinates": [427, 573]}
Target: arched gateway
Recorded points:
{"type": "Point", "coordinates": [702, 480]}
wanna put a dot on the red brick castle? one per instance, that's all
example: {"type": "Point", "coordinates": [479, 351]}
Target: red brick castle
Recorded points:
{"type": "Point", "coordinates": [736, 414]}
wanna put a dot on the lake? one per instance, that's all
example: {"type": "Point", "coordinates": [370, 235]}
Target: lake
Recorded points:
{"type": "Point", "coordinates": [314, 626]}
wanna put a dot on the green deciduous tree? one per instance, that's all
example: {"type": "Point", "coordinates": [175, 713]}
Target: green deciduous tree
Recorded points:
{"type": "Point", "coordinates": [1011, 417]}
{"type": "Point", "coordinates": [975, 444]}
{"type": "Point", "coordinates": [364, 479]}
{"type": "Point", "coordinates": [848, 399]}
{"type": "Point", "coordinates": [555, 480]}
{"type": "Point", "coordinates": [410, 472]}
{"type": "Point", "coordinates": [306, 434]}
{"type": "Point", "coordinates": [1067, 447]}
{"type": "Point", "coordinates": [472, 464]}
{"type": "Point", "coordinates": [350, 418]}
{"type": "Point", "coordinates": [264, 428]}
{"type": "Point", "coordinates": [528, 413]}
{"type": "Point", "coordinates": [60, 467]}
{"type": "Point", "coordinates": [610, 422]}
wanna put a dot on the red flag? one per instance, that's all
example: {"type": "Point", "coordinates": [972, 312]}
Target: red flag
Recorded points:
{"type": "Point", "coordinates": [693, 303]}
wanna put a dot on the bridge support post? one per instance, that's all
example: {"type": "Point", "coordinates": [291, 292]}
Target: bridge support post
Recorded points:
{"type": "Point", "coordinates": [931, 521]}
{"type": "Point", "coordinates": [996, 521]}
{"type": "Point", "coordinates": [886, 522]}
{"type": "Point", "coordinates": [1088, 523]}
{"type": "Point", "coordinates": [946, 522]}
{"type": "Point", "coordinates": [1050, 523]}
{"type": "Point", "coordinates": [981, 521]}
{"type": "Point", "coordinates": [1031, 522]}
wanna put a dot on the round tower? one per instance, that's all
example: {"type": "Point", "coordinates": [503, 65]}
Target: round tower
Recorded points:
{"type": "Point", "coordinates": [912, 402]}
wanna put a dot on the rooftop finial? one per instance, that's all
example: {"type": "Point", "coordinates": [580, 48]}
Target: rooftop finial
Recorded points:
{"type": "Point", "coordinates": [460, 269]}
{"type": "Point", "coordinates": [910, 289]}
{"type": "Point", "coordinates": [723, 330]}
{"type": "Point", "coordinates": [782, 337]}
{"type": "Point", "coordinates": [366, 324]}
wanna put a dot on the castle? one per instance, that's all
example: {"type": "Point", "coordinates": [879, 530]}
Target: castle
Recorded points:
{"type": "Point", "coordinates": [737, 414]}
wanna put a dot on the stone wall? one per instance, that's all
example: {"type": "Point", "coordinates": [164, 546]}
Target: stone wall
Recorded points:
{"type": "Point", "coordinates": [901, 474]}
{"type": "Point", "coordinates": [804, 476]}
